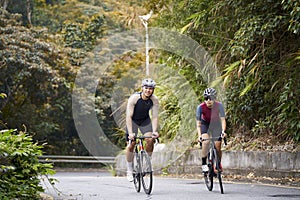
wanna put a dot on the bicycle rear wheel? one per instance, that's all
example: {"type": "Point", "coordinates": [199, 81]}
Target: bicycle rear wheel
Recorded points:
{"type": "Point", "coordinates": [146, 172]}
{"type": "Point", "coordinates": [136, 173]}
{"type": "Point", "coordinates": [209, 176]}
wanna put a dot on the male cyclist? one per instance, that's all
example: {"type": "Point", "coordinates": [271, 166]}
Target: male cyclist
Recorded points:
{"type": "Point", "coordinates": [137, 117]}
{"type": "Point", "coordinates": [211, 122]}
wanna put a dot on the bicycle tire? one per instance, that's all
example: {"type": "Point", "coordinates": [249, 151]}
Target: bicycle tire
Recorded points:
{"type": "Point", "coordinates": [208, 177]}
{"type": "Point", "coordinates": [146, 172]}
{"type": "Point", "coordinates": [136, 173]}
{"type": "Point", "coordinates": [219, 172]}
{"type": "Point", "coordinates": [220, 182]}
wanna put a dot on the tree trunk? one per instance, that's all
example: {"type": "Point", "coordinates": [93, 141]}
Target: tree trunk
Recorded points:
{"type": "Point", "coordinates": [5, 3]}
{"type": "Point", "coordinates": [29, 13]}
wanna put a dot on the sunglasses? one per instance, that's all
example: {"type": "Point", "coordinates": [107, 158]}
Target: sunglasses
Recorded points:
{"type": "Point", "coordinates": [212, 98]}
{"type": "Point", "coordinates": [146, 87]}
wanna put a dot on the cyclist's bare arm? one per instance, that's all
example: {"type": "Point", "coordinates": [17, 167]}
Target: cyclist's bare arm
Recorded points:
{"type": "Point", "coordinates": [129, 113]}
{"type": "Point", "coordinates": [198, 122]}
{"type": "Point", "coordinates": [154, 111]}
{"type": "Point", "coordinates": [198, 125]}
{"type": "Point", "coordinates": [223, 122]}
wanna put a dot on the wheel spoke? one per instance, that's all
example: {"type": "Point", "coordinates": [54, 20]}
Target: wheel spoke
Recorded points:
{"type": "Point", "coordinates": [218, 172]}
{"type": "Point", "coordinates": [208, 177]}
{"type": "Point", "coordinates": [136, 173]}
{"type": "Point", "coordinates": [146, 171]}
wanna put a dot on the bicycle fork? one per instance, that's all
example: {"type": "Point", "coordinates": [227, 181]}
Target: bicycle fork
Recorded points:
{"type": "Point", "coordinates": [139, 158]}
{"type": "Point", "coordinates": [212, 163]}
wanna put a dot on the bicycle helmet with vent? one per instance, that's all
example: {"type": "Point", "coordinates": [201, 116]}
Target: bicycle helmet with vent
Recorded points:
{"type": "Point", "coordinates": [148, 82]}
{"type": "Point", "coordinates": [210, 92]}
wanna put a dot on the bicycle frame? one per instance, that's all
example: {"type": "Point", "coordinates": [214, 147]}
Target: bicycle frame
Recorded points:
{"type": "Point", "coordinates": [214, 169]}
{"type": "Point", "coordinates": [142, 166]}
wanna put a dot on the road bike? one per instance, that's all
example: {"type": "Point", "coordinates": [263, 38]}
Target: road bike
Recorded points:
{"type": "Point", "coordinates": [213, 163]}
{"type": "Point", "coordinates": [142, 168]}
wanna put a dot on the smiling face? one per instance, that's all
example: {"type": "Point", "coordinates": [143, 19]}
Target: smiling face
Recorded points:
{"type": "Point", "coordinates": [147, 91]}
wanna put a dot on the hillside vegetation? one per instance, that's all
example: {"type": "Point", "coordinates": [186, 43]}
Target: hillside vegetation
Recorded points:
{"type": "Point", "coordinates": [255, 44]}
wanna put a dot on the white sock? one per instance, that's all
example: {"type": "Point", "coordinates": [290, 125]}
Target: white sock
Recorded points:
{"type": "Point", "coordinates": [129, 166]}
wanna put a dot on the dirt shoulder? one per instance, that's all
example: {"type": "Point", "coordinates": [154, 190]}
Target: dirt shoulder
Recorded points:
{"type": "Point", "coordinates": [267, 142]}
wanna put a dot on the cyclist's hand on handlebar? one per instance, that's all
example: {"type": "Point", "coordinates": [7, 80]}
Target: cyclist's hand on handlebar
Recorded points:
{"type": "Point", "coordinates": [131, 136]}
{"type": "Point", "coordinates": [224, 135]}
{"type": "Point", "coordinates": [155, 135]}
{"type": "Point", "coordinates": [200, 139]}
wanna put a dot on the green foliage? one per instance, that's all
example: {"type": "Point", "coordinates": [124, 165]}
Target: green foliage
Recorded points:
{"type": "Point", "coordinates": [41, 82]}
{"type": "Point", "coordinates": [255, 44]}
{"type": "Point", "coordinates": [177, 99]}
{"type": "Point", "coordinates": [170, 112]}
{"type": "Point", "coordinates": [3, 95]}
{"type": "Point", "coordinates": [22, 179]}
{"type": "Point", "coordinates": [78, 12]}
{"type": "Point", "coordinates": [83, 36]}
{"type": "Point", "coordinates": [82, 25]}
{"type": "Point", "coordinates": [37, 77]}
{"type": "Point", "coordinates": [122, 73]}
{"type": "Point", "coordinates": [263, 47]}
{"type": "Point", "coordinates": [18, 7]}
{"type": "Point", "coordinates": [252, 42]}
{"type": "Point", "coordinates": [53, 15]}
{"type": "Point", "coordinates": [287, 113]}
{"type": "Point", "coordinates": [293, 9]}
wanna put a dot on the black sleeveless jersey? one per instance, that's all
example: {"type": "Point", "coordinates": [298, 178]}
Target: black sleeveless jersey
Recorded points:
{"type": "Point", "coordinates": [141, 109]}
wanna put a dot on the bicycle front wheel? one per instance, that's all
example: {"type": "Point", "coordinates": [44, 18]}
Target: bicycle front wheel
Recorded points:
{"type": "Point", "coordinates": [146, 172]}
{"type": "Point", "coordinates": [219, 172]}
{"type": "Point", "coordinates": [136, 172]}
{"type": "Point", "coordinates": [220, 182]}
{"type": "Point", "coordinates": [209, 176]}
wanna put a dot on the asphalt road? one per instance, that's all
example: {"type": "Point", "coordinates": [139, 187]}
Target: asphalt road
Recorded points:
{"type": "Point", "coordinates": [102, 186]}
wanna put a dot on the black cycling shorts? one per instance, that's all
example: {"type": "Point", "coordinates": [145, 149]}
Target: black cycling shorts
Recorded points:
{"type": "Point", "coordinates": [213, 129]}
{"type": "Point", "coordinates": [145, 126]}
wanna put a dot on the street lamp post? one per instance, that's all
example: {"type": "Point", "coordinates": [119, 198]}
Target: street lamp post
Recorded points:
{"type": "Point", "coordinates": [144, 19]}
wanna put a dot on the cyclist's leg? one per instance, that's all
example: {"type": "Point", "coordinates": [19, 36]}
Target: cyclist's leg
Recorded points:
{"type": "Point", "coordinates": [149, 144]}
{"type": "Point", "coordinates": [130, 146]}
{"type": "Point", "coordinates": [205, 143]}
{"type": "Point", "coordinates": [129, 153]}
{"type": "Point", "coordinates": [204, 152]}
{"type": "Point", "coordinates": [146, 129]}
{"type": "Point", "coordinates": [216, 131]}
{"type": "Point", "coordinates": [218, 148]}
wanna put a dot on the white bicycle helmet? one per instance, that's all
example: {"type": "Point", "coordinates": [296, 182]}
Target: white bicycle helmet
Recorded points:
{"type": "Point", "coordinates": [210, 92]}
{"type": "Point", "coordinates": [148, 82]}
